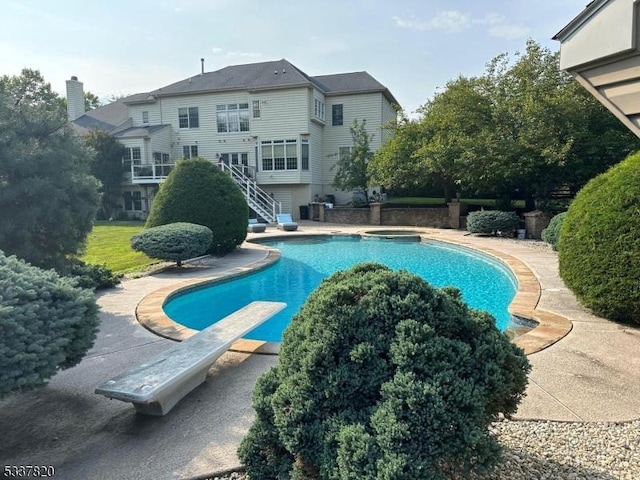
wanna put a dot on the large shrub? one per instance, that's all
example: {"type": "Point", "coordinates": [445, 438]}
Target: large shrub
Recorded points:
{"type": "Point", "coordinates": [197, 191]}
{"type": "Point", "coordinates": [492, 222]}
{"type": "Point", "coordinates": [599, 248]}
{"type": "Point", "coordinates": [383, 376]}
{"type": "Point", "coordinates": [174, 242]}
{"type": "Point", "coordinates": [551, 234]}
{"type": "Point", "coordinates": [46, 324]}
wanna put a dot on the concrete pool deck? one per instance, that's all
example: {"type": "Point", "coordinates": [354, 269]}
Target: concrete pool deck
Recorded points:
{"type": "Point", "coordinates": [590, 375]}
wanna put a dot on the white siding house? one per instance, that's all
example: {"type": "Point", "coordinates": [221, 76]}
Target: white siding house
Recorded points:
{"type": "Point", "coordinates": [280, 129]}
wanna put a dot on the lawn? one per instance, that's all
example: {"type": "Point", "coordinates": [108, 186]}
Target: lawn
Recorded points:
{"type": "Point", "coordinates": [108, 244]}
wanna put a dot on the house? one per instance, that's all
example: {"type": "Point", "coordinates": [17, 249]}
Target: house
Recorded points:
{"type": "Point", "coordinates": [277, 131]}
{"type": "Point", "coordinates": [600, 47]}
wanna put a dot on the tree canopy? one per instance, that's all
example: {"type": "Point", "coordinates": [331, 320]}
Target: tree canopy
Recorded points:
{"type": "Point", "coordinates": [48, 199]}
{"type": "Point", "coordinates": [107, 167]}
{"type": "Point", "coordinates": [352, 167]}
{"type": "Point", "coordinates": [523, 129]}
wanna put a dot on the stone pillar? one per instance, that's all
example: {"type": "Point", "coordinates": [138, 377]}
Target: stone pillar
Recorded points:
{"type": "Point", "coordinates": [374, 213]}
{"type": "Point", "coordinates": [321, 212]}
{"type": "Point", "coordinates": [535, 222]}
{"type": "Point", "coordinates": [457, 210]}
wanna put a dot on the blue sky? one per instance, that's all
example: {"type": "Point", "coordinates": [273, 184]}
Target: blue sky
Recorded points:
{"type": "Point", "coordinates": [411, 46]}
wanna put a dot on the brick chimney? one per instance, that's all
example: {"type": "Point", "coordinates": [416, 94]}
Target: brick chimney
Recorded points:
{"type": "Point", "coordinates": [75, 99]}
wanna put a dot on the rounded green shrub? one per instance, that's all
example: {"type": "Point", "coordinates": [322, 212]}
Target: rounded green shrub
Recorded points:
{"type": "Point", "coordinates": [381, 375]}
{"type": "Point", "coordinates": [551, 234]}
{"type": "Point", "coordinates": [197, 191]}
{"type": "Point", "coordinates": [46, 323]}
{"type": "Point", "coordinates": [86, 275]}
{"type": "Point", "coordinates": [174, 242]}
{"type": "Point", "coordinates": [492, 221]}
{"type": "Point", "coordinates": [599, 248]}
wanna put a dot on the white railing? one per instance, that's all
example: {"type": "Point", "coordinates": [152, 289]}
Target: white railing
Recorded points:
{"type": "Point", "coordinates": [150, 173]}
{"type": "Point", "coordinates": [259, 200]}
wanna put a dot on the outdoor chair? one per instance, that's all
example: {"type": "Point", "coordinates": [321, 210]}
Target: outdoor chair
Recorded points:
{"type": "Point", "coordinates": [255, 226]}
{"type": "Point", "coordinates": [286, 223]}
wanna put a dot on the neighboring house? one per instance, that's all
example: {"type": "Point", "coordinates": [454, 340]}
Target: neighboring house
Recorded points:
{"type": "Point", "coordinates": [600, 47]}
{"type": "Point", "coordinates": [276, 130]}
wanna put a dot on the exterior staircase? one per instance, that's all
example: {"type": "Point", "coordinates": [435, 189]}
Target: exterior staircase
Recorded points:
{"type": "Point", "coordinates": [259, 201]}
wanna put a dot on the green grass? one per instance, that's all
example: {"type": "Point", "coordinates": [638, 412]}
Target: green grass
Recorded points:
{"type": "Point", "coordinates": [485, 202]}
{"type": "Point", "coordinates": [108, 244]}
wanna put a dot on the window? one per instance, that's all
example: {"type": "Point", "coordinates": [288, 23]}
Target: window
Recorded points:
{"type": "Point", "coordinates": [133, 201]}
{"type": "Point", "coordinates": [132, 156]}
{"type": "Point", "coordinates": [336, 115]}
{"type": "Point", "coordinates": [255, 106]}
{"type": "Point", "coordinates": [145, 117]}
{"type": "Point", "coordinates": [233, 117]}
{"type": "Point", "coordinates": [304, 157]}
{"type": "Point", "coordinates": [279, 155]}
{"type": "Point", "coordinates": [159, 157]}
{"type": "Point", "coordinates": [189, 151]}
{"type": "Point", "coordinates": [188, 117]}
{"type": "Point", "coordinates": [344, 152]}
{"type": "Point", "coordinates": [319, 109]}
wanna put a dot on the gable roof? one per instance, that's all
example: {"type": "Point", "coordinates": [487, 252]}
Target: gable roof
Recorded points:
{"type": "Point", "coordinates": [267, 76]}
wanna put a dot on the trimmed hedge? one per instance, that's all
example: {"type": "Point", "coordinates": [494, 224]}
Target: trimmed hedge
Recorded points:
{"type": "Point", "coordinates": [47, 324]}
{"type": "Point", "coordinates": [599, 247]}
{"type": "Point", "coordinates": [173, 242]}
{"type": "Point", "coordinates": [551, 234]}
{"type": "Point", "coordinates": [375, 360]}
{"type": "Point", "coordinates": [492, 221]}
{"type": "Point", "coordinates": [197, 191]}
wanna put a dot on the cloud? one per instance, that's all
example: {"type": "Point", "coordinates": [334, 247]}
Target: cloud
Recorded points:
{"type": "Point", "coordinates": [449, 21]}
{"type": "Point", "coordinates": [454, 21]}
{"type": "Point", "coordinates": [235, 53]}
{"type": "Point", "coordinates": [509, 32]}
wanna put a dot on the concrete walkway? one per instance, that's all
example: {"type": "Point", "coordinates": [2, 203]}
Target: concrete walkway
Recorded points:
{"type": "Point", "coordinates": [590, 375]}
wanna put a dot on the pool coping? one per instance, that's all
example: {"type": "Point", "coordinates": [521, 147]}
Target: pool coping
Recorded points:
{"type": "Point", "coordinates": [551, 327]}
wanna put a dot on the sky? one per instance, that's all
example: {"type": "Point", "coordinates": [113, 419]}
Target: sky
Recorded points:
{"type": "Point", "coordinates": [413, 47]}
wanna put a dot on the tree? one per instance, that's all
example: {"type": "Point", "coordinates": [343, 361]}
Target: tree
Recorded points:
{"type": "Point", "coordinates": [381, 375]}
{"type": "Point", "coordinates": [197, 191]}
{"type": "Point", "coordinates": [47, 324]}
{"type": "Point", "coordinates": [352, 167]}
{"type": "Point", "coordinates": [91, 101]}
{"type": "Point", "coordinates": [107, 167]}
{"type": "Point", "coordinates": [48, 199]}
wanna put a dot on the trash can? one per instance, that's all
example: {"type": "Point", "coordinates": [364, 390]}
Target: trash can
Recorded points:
{"type": "Point", "coordinates": [304, 212]}
{"type": "Point", "coordinates": [522, 233]}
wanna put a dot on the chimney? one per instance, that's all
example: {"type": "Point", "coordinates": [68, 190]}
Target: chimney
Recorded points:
{"type": "Point", "coordinates": [75, 99]}
{"type": "Point", "coordinates": [202, 68]}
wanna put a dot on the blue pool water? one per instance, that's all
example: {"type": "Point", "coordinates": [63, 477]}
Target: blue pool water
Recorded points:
{"type": "Point", "coordinates": [485, 283]}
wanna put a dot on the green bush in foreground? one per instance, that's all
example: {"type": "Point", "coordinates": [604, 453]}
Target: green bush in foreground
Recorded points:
{"type": "Point", "coordinates": [599, 248]}
{"type": "Point", "coordinates": [46, 324]}
{"type": "Point", "coordinates": [383, 376]}
{"type": "Point", "coordinates": [173, 242]}
{"type": "Point", "coordinates": [197, 191]}
{"type": "Point", "coordinates": [491, 222]}
{"type": "Point", "coordinates": [551, 234]}
{"type": "Point", "coordinates": [95, 277]}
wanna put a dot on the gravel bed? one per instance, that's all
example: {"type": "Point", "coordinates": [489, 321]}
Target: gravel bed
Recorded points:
{"type": "Point", "coordinates": [545, 450]}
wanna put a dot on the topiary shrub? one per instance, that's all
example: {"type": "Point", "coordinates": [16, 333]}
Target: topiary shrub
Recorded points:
{"type": "Point", "coordinates": [197, 191]}
{"type": "Point", "coordinates": [173, 242]}
{"type": "Point", "coordinates": [383, 376]}
{"type": "Point", "coordinates": [492, 221]}
{"type": "Point", "coordinates": [599, 247]}
{"type": "Point", "coordinates": [551, 234]}
{"type": "Point", "coordinates": [47, 324]}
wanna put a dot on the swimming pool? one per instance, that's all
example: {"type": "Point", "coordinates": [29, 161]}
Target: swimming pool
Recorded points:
{"type": "Point", "coordinates": [485, 283]}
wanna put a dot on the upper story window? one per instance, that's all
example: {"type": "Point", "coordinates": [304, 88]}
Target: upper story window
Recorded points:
{"type": "Point", "coordinates": [255, 107]}
{"type": "Point", "coordinates": [304, 154]}
{"type": "Point", "coordinates": [279, 155]}
{"type": "Point", "coordinates": [132, 155]}
{"type": "Point", "coordinates": [232, 117]}
{"type": "Point", "coordinates": [189, 151]}
{"type": "Point", "coordinates": [319, 109]}
{"type": "Point", "coordinates": [188, 117]}
{"type": "Point", "coordinates": [336, 115]}
{"type": "Point", "coordinates": [145, 117]}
